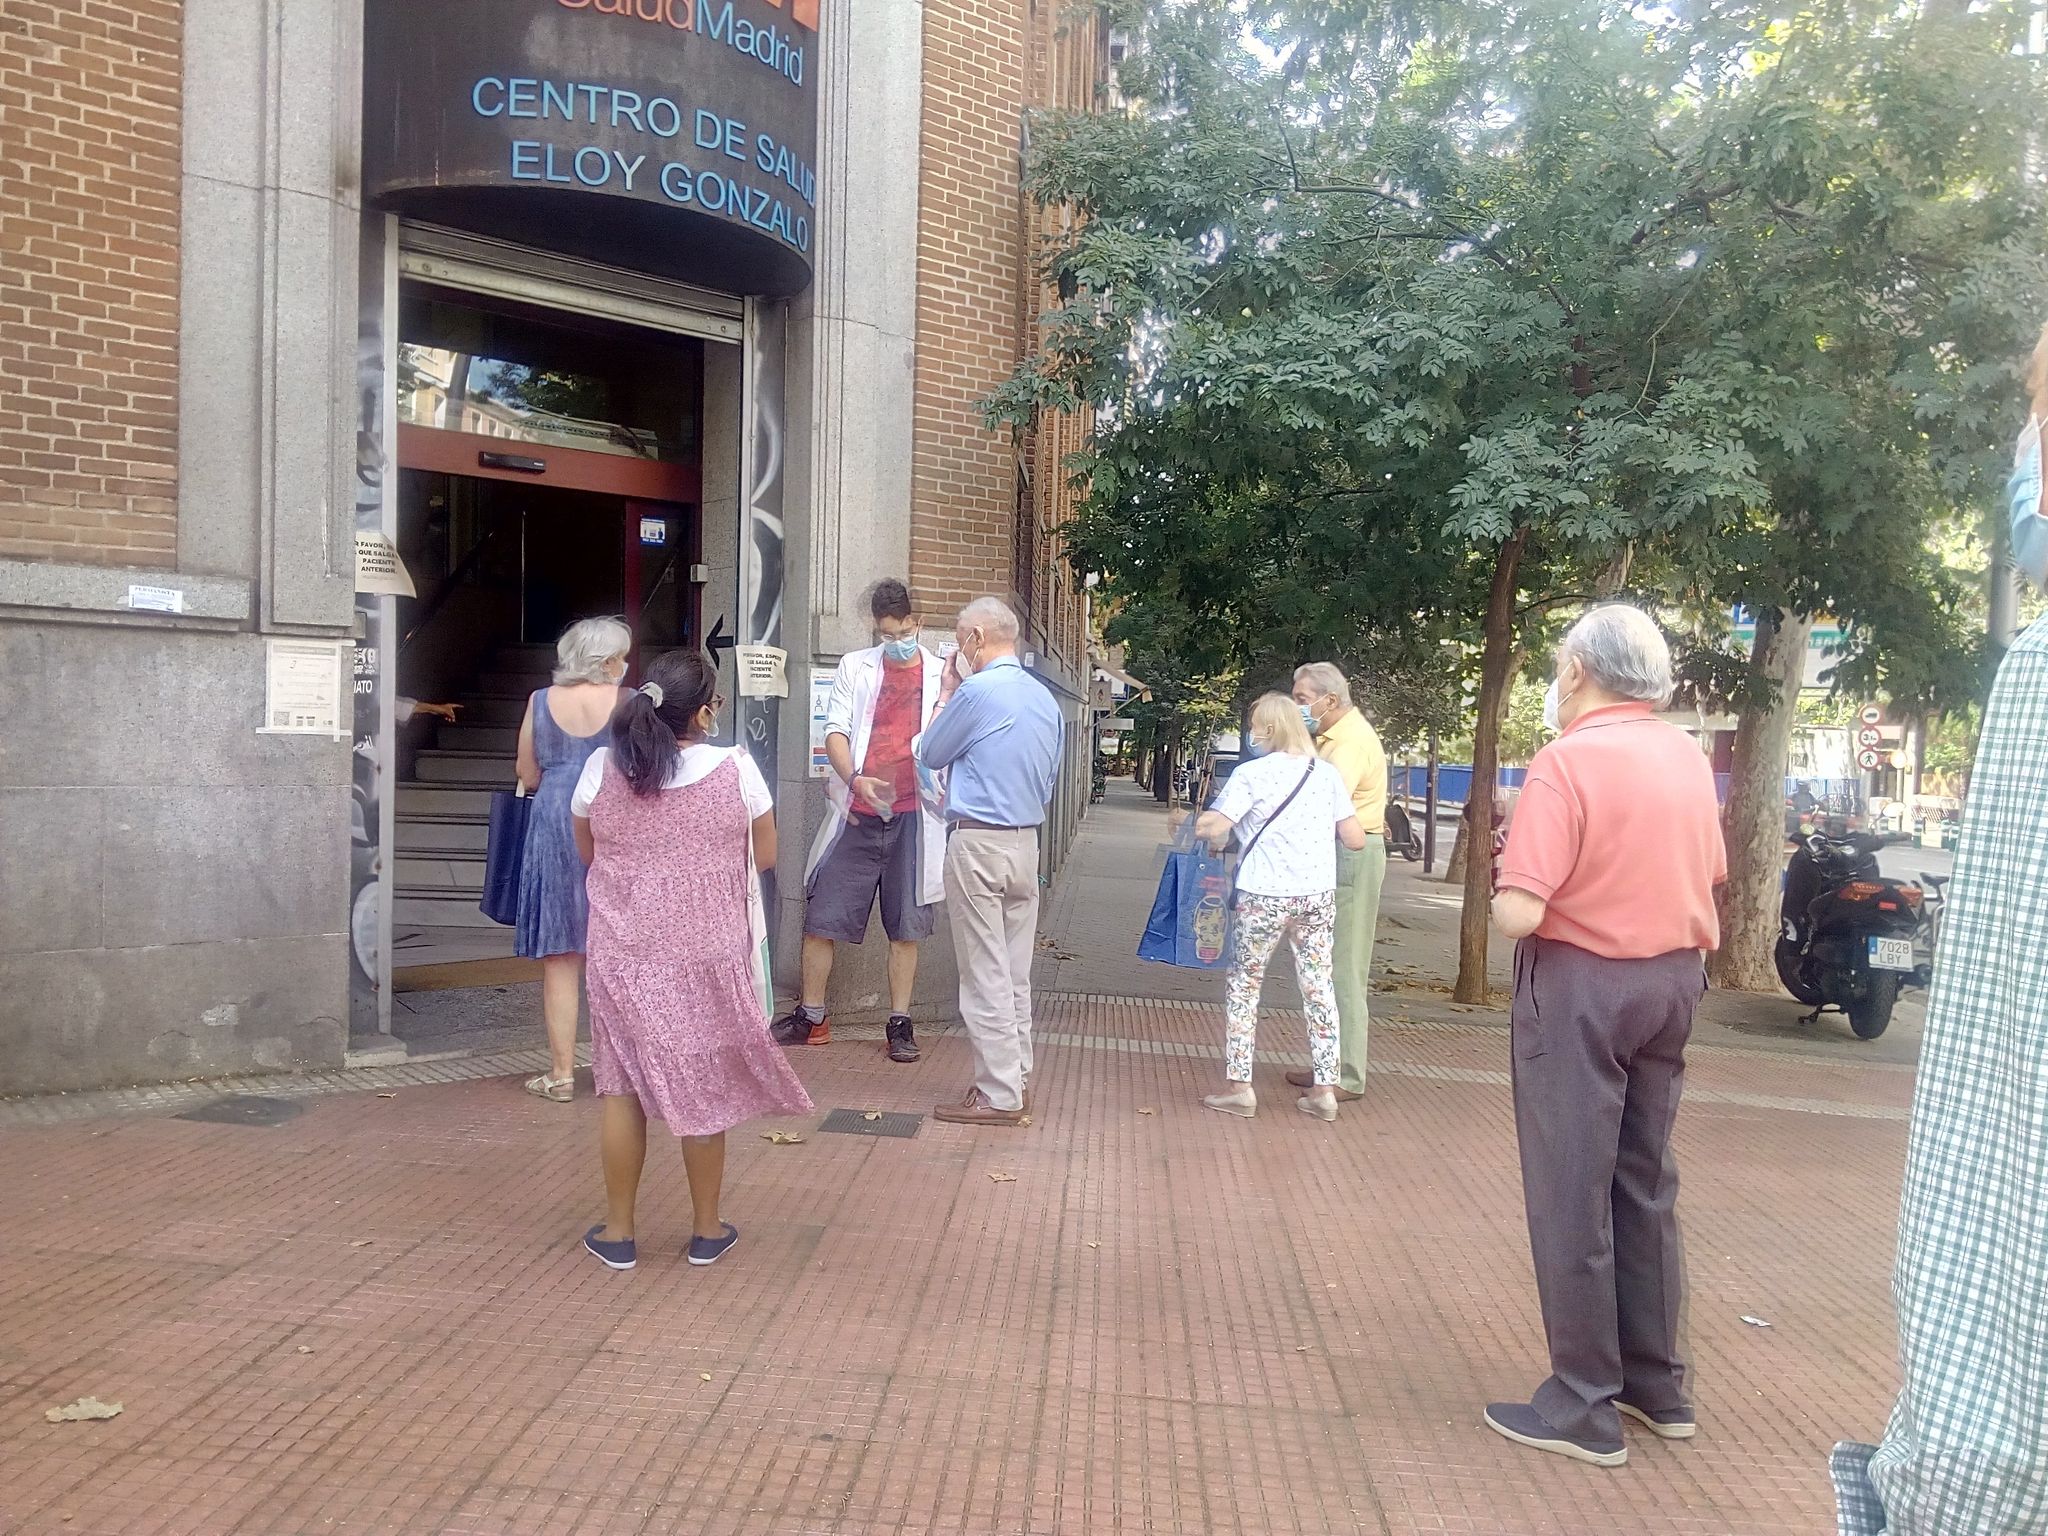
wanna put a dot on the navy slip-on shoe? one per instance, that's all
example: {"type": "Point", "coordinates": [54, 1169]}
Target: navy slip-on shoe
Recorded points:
{"type": "Point", "coordinates": [1670, 1424]}
{"type": "Point", "coordinates": [619, 1255]}
{"type": "Point", "coordinates": [1525, 1426]}
{"type": "Point", "coordinates": [709, 1250]}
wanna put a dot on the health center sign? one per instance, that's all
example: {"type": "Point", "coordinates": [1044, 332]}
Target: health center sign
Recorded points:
{"type": "Point", "coordinates": [669, 136]}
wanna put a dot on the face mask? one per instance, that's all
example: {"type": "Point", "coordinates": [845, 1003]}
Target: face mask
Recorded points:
{"type": "Point", "coordinates": [1308, 718]}
{"type": "Point", "coordinates": [1550, 709]}
{"type": "Point", "coordinates": [2029, 518]}
{"type": "Point", "coordinates": [902, 648]}
{"type": "Point", "coordinates": [1259, 748]}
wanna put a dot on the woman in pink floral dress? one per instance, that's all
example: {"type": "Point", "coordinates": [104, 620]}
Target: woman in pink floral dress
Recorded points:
{"type": "Point", "coordinates": [674, 830]}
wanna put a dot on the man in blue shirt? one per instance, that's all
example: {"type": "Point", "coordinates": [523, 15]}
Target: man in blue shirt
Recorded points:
{"type": "Point", "coordinates": [996, 736]}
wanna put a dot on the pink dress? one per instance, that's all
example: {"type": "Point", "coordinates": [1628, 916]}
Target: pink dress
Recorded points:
{"type": "Point", "coordinates": [674, 1017]}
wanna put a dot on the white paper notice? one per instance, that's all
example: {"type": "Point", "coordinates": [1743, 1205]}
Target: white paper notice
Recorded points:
{"type": "Point", "coordinates": [156, 600]}
{"type": "Point", "coordinates": [378, 568]}
{"type": "Point", "coordinates": [302, 688]}
{"type": "Point", "coordinates": [763, 671]}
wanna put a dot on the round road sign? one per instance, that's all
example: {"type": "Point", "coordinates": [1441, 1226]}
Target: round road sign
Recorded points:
{"type": "Point", "coordinates": [1868, 759]}
{"type": "Point", "coordinates": [1872, 714]}
{"type": "Point", "coordinates": [1869, 736]}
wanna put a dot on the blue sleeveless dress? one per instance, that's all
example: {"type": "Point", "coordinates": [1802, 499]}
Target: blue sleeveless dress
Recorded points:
{"type": "Point", "coordinates": [553, 914]}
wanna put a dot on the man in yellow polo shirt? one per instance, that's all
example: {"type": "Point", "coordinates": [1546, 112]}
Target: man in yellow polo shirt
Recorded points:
{"type": "Point", "coordinates": [1353, 748]}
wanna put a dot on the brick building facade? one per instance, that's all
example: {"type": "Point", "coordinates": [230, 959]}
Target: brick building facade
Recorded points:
{"type": "Point", "coordinates": [240, 332]}
{"type": "Point", "coordinates": [90, 117]}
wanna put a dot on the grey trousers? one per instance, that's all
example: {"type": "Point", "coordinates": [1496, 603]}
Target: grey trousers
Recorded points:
{"type": "Point", "coordinates": [992, 901]}
{"type": "Point", "coordinates": [1599, 1062]}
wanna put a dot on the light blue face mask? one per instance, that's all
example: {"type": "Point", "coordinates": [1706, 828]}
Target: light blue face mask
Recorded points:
{"type": "Point", "coordinates": [902, 648]}
{"type": "Point", "coordinates": [1258, 747]}
{"type": "Point", "coordinates": [2028, 518]}
{"type": "Point", "coordinates": [1308, 718]}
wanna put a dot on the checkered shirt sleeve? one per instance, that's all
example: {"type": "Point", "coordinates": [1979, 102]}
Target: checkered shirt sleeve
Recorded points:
{"type": "Point", "coordinates": [1967, 1448]}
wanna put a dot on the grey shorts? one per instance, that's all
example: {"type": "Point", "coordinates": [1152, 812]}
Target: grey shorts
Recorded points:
{"type": "Point", "coordinates": [872, 856]}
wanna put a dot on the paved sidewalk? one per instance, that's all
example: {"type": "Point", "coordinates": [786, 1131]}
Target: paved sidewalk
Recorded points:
{"type": "Point", "coordinates": [1131, 1317]}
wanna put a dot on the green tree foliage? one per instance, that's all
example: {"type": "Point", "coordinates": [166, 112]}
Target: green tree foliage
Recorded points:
{"type": "Point", "coordinates": [1404, 324]}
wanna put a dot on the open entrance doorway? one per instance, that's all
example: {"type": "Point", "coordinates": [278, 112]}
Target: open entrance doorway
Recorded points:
{"type": "Point", "coordinates": [550, 469]}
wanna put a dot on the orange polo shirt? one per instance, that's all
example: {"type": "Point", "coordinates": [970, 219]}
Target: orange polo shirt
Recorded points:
{"type": "Point", "coordinates": [1618, 829]}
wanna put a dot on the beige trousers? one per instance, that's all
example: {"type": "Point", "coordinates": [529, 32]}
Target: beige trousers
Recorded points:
{"type": "Point", "coordinates": [992, 902]}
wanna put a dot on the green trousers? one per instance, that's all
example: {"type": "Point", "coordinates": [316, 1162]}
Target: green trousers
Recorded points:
{"type": "Point", "coordinates": [1360, 876]}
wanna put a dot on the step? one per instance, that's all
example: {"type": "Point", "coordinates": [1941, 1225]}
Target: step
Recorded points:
{"type": "Point", "coordinates": [445, 800]}
{"type": "Point", "coordinates": [467, 737]}
{"type": "Point", "coordinates": [493, 770]}
{"type": "Point", "coordinates": [468, 834]}
{"type": "Point", "coordinates": [456, 874]}
{"type": "Point", "coordinates": [437, 909]}
{"type": "Point", "coordinates": [483, 710]}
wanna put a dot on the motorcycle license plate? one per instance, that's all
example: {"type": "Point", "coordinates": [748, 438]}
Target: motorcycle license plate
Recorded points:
{"type": "Point", "coordinates": [1891, 954]}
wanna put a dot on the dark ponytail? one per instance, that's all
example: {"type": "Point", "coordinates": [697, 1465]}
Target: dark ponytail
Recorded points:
{"type": "Point", "coordinates": [644, 733]}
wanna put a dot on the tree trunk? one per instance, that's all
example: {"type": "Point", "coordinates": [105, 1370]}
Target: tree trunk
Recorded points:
{"type": "Point", "coordinates": [1454, 872]}
{"type": "Point", "coordinates": [1496, 675]}
{"type": "Point", "coordinates": [1755, 818]}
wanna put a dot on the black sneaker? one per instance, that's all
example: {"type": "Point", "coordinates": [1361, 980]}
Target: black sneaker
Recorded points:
{"type": "Point", "coordinates": [902, 1042]}
{"type": "Point", "coordinates": [791, 1029]}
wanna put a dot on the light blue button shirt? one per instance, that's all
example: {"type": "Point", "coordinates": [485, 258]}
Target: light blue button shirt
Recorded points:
{"type": "Point", "coordinates": [1000, 737]}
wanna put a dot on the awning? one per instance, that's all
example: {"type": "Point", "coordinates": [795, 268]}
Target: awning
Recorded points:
{"type": "Point", "coordinates": [1106, 670]}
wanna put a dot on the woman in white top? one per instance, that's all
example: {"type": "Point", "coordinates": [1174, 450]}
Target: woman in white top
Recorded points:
{"type": "Point", "coordinates": [1288, 810]}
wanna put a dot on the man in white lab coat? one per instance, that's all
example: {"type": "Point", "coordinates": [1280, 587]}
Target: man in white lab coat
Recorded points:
{"type": "Point", "coordinates": [878, 840]}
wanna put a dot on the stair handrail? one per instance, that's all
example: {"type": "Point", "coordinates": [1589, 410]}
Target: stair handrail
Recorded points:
{"type": "Point", "coordinates": [431, 609]}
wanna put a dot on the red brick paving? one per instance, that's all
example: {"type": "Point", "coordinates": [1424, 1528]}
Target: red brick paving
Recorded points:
{"type": "Point", "coordinates": [375, 1318]}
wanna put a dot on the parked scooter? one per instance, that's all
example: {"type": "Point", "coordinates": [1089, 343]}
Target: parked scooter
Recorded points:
{"type": "Point", "coordinates": [1402, 838]}
{"type": "Point", "coordinates": [1851, 937]}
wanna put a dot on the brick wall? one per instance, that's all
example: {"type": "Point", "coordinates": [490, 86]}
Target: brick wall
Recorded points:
{"type": "Point", "coordinates": [90, 125]}
{"type": "Point", "coordinates": [985, 512]}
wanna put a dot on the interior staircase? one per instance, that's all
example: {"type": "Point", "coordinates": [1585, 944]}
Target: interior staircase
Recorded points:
{"type": "Point", "coordinates": [444, 811]}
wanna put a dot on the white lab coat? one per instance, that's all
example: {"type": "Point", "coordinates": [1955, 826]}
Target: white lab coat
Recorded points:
{"type": "Point", "coordinates": [856, 685]}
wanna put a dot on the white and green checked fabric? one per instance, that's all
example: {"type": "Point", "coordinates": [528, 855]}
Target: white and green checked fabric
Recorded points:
{"type": "Point", "coordinates": [1966, 1453]}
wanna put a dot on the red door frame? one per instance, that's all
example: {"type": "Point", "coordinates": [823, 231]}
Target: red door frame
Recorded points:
{"type": "Point", "coordinates": [648, 487]}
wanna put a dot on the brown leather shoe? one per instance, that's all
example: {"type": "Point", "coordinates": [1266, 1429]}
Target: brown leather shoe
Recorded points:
{"type": "Point", "coordinates": [976, 1110]}
{"type": "Point", "coordinates": [1308, 1080]}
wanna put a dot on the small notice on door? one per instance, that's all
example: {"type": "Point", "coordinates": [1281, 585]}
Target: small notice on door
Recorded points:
{"type": "Point", "coordinates": [763, 671]}
{"type": "Point", "coordinates": [302, 688]}
{"type": "Point", "coordinates": [378, 568]}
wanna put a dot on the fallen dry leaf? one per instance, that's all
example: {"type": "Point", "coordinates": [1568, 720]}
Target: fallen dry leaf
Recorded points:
{"type": "Point", "coordinates": [871, 1114]}
{"type": "Point", "coordinates": [305, 1349]}
{"type": "Point", "coordinates": [1002, 1178]}
{"type": "Point", "coordinates": [703, 1375]}
{"type": "Point", "coordinates": [1095, 1245]}
{"type": "Point", "coordinates": [781, 1138]}
{"type": "Point", "coordinates": [362, 1242]}
{"type": "Point", "coordinates": [387, 1095]}
{"type": "Point", "coordinates": [85, 1408]}
{"type": "Point", "coordinates": [1148, 1111]}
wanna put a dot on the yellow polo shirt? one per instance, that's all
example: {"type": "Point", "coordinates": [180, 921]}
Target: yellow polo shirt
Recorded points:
{"type": "Point", "coordinates": [1353, 748]}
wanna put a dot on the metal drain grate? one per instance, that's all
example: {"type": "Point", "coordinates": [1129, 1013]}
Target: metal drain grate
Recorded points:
{"type": "Point", "coordinates": [887, 1122]}
{"type": "Point", "coordinates": [245, 1109]}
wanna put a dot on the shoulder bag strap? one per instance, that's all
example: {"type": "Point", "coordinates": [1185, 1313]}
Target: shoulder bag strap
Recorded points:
{"type": "Point", "coordinates": [1282, 811]}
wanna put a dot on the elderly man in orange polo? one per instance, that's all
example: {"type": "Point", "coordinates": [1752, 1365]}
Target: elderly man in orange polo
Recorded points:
{"type": "Point", "coordinates": [1608, 882]}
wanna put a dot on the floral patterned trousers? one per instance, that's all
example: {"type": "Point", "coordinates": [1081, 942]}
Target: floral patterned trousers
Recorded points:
{"type": "Point", "coordinates": [1308, 923]}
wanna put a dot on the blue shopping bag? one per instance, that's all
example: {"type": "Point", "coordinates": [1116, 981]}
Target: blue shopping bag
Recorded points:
{"type": "Point", "coordinates": [1190, 921]}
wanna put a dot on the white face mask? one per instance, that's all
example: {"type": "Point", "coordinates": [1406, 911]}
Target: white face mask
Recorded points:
{"type": "Point", "coordinates": [1550, 722]}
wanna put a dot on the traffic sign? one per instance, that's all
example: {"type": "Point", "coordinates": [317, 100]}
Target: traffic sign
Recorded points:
{"type": "Point", "coordinates": [1869, 736]}
{"type": "Point", "coordinates": [1872, 714]}
{"type": "Point", "coordinates": [1868, 758]}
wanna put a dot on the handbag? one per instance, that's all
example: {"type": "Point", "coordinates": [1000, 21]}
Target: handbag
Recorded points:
{"type": "Point", "coordinates": [1190, 923]}
{"type": "Point", "coordinates": [761, 961]}
{"type": "Point", "coordinates": [505, 855]}
{"type": "Point", "coordinates": [1231, 901]}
